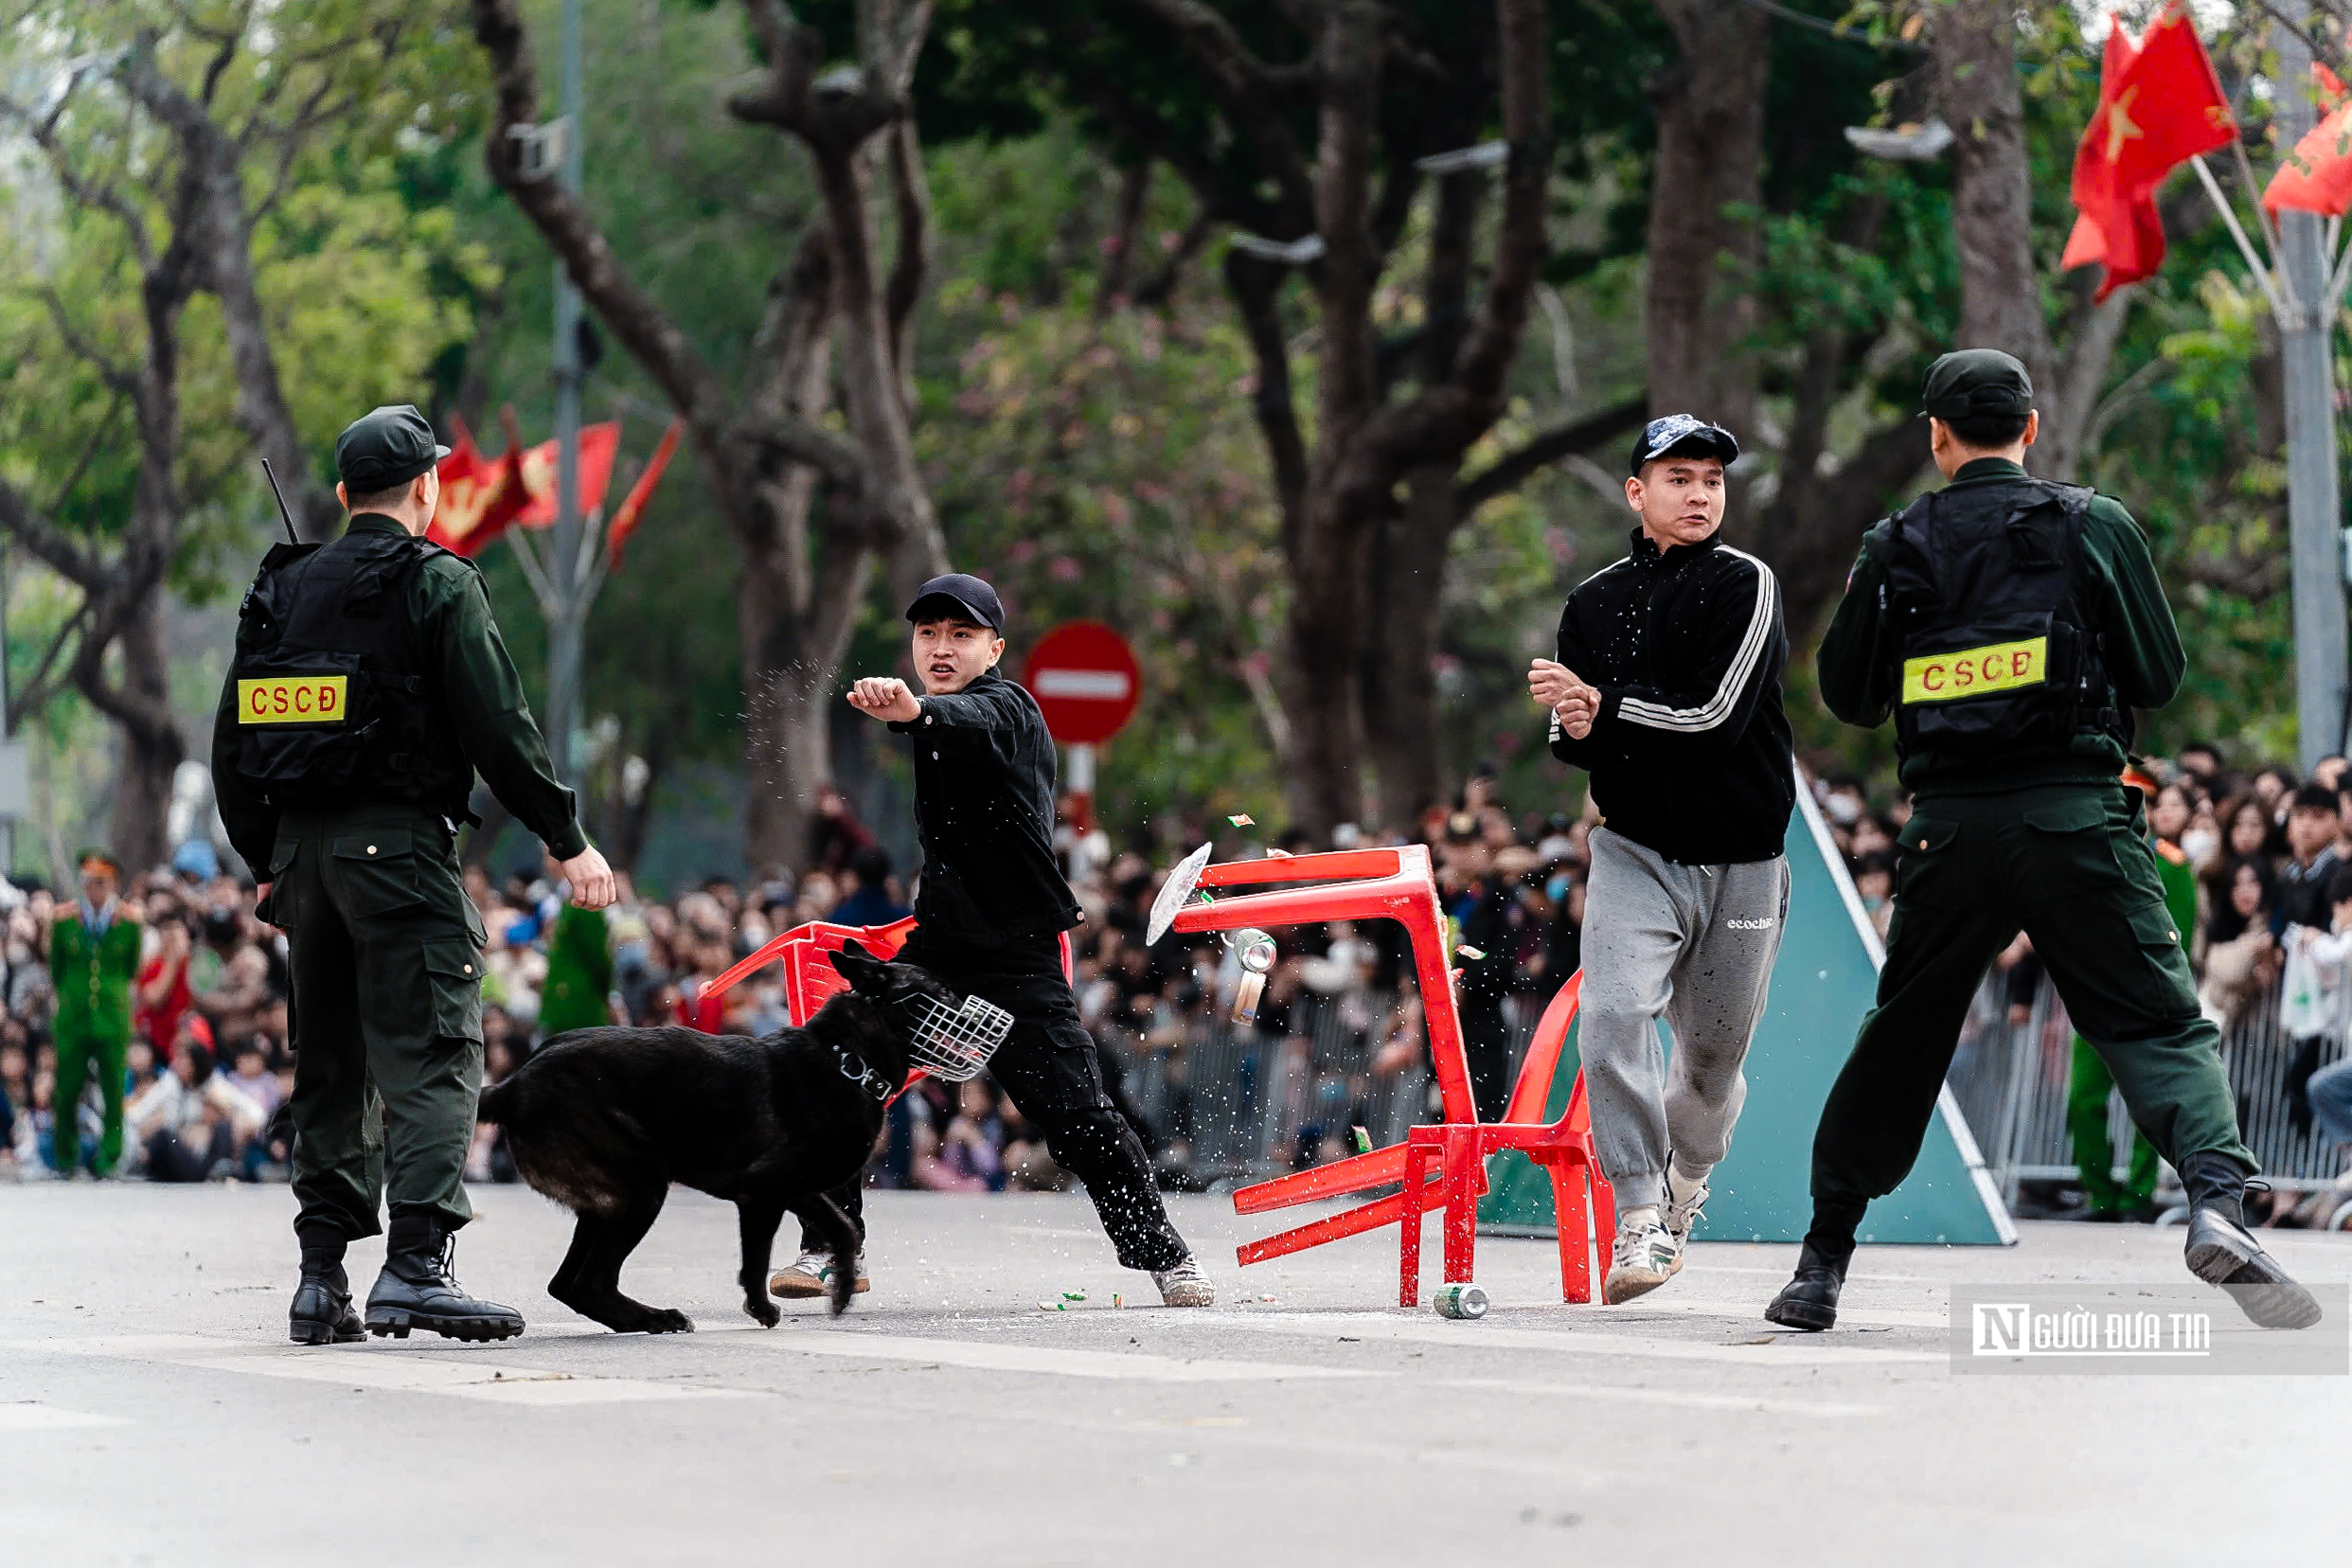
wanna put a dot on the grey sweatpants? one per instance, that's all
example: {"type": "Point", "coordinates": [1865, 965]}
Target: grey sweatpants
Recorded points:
{"type": "Point", "coordinates": [1694, 944]}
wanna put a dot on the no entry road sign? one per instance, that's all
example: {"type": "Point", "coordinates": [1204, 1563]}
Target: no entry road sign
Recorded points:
{"type": "Point", "coordinates": [1085, 678]}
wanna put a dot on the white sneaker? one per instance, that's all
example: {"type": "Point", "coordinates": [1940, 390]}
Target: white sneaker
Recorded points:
{"type": "Point", "coordinates": [1184, 1285]}
{"type": "Point", "coordinates": [808, 1276]}
{"type": "Point", "coordinates": [1683, 1209]}
{"type": "Point", "coordinates": [1646, 1254]}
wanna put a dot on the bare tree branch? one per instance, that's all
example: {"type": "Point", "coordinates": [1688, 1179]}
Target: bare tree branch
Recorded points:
{"type": "Point", "coordinates": [215, 230]}
{"type": "Point", "coordinates": [52, 546]}
{"type": "Point", "coordinates": [1154, 290]}
{"type": "Point", "coordinates": [85, 191]}
{"type": "Point", "coordinates": [911, 201]}
{"type": "Point", "coordinates": [1538, 451]}
{"type": "Point", "coordinates": [652, 338]}
{"type": "Point", "coordinates": [1257, 287]}
{"type": "Point", "coordinates": [1253, 93]}
{"type": "Point", "coordinates": [116, 374]}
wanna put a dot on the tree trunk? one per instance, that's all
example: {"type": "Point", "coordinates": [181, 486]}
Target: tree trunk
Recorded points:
{"type": "Point", "coordinates": [150, 746]}
{"type": "Point", "coordinates": [1710, 109]}
{"type": "Point", "coordinates": [1319, 682]}
{"type": "Point", "coordinates": [1975, 67]}
{"type": "Point", "coordinates": [1402, 735]}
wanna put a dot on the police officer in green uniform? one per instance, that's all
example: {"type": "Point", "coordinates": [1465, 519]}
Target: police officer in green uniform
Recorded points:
{"type": "Point", "coordinates": [370, 684]}
{"type": "Point", "coordinates": [93, 955]}
{"type": "Point", "coordinates": [2011, 625]}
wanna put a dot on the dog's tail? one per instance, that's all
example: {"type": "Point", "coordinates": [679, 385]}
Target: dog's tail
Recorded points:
{"type": "Point", "coordinates": [822, 1215]}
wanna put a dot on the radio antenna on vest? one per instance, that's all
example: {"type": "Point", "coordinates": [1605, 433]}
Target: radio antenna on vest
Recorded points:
{"type": "Point", "coordinates": [285, 516]}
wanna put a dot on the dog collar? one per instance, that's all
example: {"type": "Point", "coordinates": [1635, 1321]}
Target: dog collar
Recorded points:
{"type": "Point", "coordinates": [860, 1074]}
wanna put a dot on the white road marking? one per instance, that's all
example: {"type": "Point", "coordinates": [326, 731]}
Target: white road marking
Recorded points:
{"type": "Point", "coordinates": [41, 1418]}
{"type": "Point", "coordinates": [1049, 1360]}
{"type": "Point", "coordinates": [457, 1375]}
{"type": "Point", "coordinates": [1785, 1350]}
{"type": "Point", "coordinates": [1821, 1409]}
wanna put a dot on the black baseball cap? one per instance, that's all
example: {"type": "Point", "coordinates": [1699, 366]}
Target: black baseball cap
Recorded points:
{"type": "Point", "coordinates": [1973, 381]}
{"type": "Point", "coordinates": [1687, 433]}
{"type": "Point", "coordinates": [960, 595]}
{"type": "Point", "coordinates": [386, 447]}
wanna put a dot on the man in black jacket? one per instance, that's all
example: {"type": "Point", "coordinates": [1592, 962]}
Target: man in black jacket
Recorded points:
{"type": "Point", "coordinates": [991, 917]}
{"type": "Point", "coordinates": [1667, 690]}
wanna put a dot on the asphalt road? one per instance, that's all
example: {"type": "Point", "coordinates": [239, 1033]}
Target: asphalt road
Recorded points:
{"type": "Point", "coordinates": [152, 1413]}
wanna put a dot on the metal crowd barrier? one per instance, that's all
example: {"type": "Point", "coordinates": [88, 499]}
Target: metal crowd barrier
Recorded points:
{"type": "Point", "coordinates": [2011, 1082]}
{"type": "Point", "coordinates": [1237, 1103]}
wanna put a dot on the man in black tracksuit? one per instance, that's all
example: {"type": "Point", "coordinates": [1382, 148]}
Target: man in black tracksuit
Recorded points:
{"type": "Point", "coordinates": [1667, 689]}
{"type": "Point", "coordinates": [990, 919]}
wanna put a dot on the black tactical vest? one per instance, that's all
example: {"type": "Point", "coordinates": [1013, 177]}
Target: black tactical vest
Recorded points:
{"type": "Point", "coordinates": [335, 703]}
{"type": "Point", "coordinates": [1993, 645]}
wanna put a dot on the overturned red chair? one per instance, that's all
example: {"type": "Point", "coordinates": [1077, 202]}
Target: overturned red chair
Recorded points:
{"type": "Point", "coordinates": [1394, 883]}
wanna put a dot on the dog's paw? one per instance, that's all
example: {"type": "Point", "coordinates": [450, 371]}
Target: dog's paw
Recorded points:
{"type": "Point", "coordinates": [669, 1321]}
{"type": "Point", "coordinates": [763, 1311]}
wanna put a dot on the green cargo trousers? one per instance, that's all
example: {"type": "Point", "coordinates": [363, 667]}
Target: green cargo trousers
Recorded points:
{"type": "Point", "coordinates": [80, 1054]}
{"type": "Point", "coordinates": [385, 951]}
{"type": "Point", "coordinates": [2071, 866]}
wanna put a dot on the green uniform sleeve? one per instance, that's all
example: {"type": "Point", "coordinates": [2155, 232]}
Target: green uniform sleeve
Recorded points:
{"type": "Point", "coordinates": [488, 709]}
{"type": "Point", "coordinates": [2141, 646]}
{"type": "Point", "coordinates": [252, 822]}
{"type": "Point", "coordinates": [1856, 682]}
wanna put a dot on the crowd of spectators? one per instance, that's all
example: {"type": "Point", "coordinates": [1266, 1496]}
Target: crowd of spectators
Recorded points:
{"type": "Point", "coordinates": [210, 1065]}
{"type": "Point", "coordinates": [1337, 1042]}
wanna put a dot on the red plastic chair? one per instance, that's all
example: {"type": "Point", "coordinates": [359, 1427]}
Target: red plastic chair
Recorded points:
{"type": "Point", "coordinates": [1585, 1206]}
{"type": "Point", "coordinates": [1396, 885]}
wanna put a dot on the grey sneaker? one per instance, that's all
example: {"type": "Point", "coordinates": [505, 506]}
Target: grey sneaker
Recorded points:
{"type": "Point", "coordinates": [1646, 1254]}
{"type": "Point", "coordinates": [1184, 1285]}
{"type": "Point", "coordinates": [808, 1274]}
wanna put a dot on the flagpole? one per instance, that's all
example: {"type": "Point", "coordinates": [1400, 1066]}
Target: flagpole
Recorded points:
{"type": "Point", "coordinates": [2314, 525]}
{"type": "Point", "coordinates": [2245, 246]}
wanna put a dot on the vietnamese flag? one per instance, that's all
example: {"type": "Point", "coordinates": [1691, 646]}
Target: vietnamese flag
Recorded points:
{"type": "Point", "coordinates": [481, 496]}
{"type": "Point", "coordinates": [624, 521]}
{"type": "Point", "coordinates": [598, 445]}
{"type": "Point", "coordinates": [2160, 105]}
{"type": "Point", "coordinates": [2317, 177]}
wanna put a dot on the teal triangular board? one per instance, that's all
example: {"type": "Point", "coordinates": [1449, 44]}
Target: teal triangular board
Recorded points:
{"type": "Point", "coordinates": [1825, 979]}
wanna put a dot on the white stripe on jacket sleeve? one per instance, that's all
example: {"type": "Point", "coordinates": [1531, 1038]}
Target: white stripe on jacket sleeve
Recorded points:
{"type": "Point", "coordinates": [1718, 707]}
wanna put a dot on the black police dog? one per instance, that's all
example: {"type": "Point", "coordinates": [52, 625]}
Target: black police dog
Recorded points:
{"type": "Point", "coordinates": [602, 1120]}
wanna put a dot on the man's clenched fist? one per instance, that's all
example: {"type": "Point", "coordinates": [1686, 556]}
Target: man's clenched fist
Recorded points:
{"type": "Point", "coordinates": [886, 697]}
{"type": "Point", "coordinates": [1557, 687]}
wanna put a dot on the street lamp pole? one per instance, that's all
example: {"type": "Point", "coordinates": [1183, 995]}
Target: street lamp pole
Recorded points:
{"type": "Point", "coordinates": [2314, 527]}
{"type": "Point", "coordinates": [567, 609]}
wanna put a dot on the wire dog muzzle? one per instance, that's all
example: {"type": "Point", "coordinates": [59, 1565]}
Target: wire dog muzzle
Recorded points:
{"type": "Point", "coordinates": [949, 1042]}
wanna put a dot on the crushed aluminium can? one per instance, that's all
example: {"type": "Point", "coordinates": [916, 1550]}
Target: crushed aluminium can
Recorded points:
{"type": "Point", "coordinates": [1460, 1301]}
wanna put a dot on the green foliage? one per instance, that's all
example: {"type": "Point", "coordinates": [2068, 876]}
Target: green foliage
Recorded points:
{"type": "Point", "coordinates": [1105, 469]}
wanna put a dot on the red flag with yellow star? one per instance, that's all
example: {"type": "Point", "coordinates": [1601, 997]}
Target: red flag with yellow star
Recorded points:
{"type": "Point", "coordinates": [2160, 105]}
{"type": "Point", "coordinates": [2317, 177]}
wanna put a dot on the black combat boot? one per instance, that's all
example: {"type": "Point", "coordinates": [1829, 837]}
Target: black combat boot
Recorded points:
{"type": "Point", "coordinates": [2223, 1252]}
{"type": "Point", "coordinates": [418, 1291]}
{"type": "Point", "coordinates": [322, 1313]}
{"type": "Point", "coordinates": [1811, 1300]}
